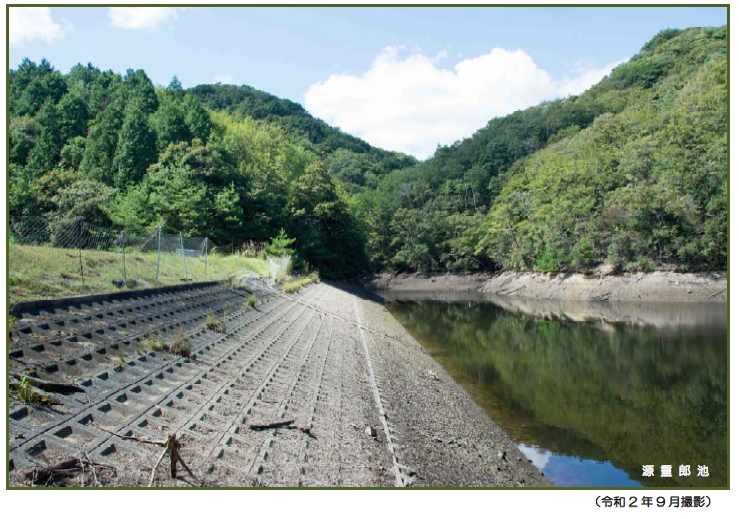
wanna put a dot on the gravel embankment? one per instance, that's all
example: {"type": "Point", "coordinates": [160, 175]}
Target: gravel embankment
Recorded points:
{"type": "Point", "coordinates": [366, 405]}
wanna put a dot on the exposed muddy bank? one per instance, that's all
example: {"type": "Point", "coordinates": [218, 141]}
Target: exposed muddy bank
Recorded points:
{"type": "Point", "coordinates": [656, 286]}
{"type": "Point", "coordinates": [660, 314]}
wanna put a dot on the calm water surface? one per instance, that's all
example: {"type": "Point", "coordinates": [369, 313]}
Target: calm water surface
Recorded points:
{"type": "Point", "coordinates": [590, 391]}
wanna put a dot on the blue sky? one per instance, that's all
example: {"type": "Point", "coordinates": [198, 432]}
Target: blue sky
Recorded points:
{"type": "Point", "coordinates": [318, 55]}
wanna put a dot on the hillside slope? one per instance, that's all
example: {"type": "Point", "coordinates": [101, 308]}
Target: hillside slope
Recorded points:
{"type": "Point", "coordinates": [357, 163]}
{"type": "Point", "coordinates": [633, 172]}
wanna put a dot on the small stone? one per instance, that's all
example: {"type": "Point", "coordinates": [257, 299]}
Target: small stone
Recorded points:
{"type": "Point", "coordinates": [430, 374]}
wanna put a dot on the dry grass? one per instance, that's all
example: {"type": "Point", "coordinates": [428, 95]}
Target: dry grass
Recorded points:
{"type": "Point", "coordinates": [297, 284]}
{"type": "Point", "coordinates": [179, 346]}
{"type": "Point", "coordinates": [214, 324]}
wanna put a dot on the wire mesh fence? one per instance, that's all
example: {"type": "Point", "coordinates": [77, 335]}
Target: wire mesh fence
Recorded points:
{"type": "Point", "coordinates": [62, 256]}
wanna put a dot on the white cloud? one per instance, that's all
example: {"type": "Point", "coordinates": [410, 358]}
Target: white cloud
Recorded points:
{"type": "Point", "coordinates": [33, 23]}
{"type": "Point", "coordinates": [140, 17]}
{"type": "Point", "coordinates": [226, 79]}
{"type": "Point", "coordinates": [412, 104]}
{"type": "Point", "coordinates": [441, 55]}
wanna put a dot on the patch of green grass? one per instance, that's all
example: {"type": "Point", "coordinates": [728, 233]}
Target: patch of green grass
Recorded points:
{"type": "Point", "coordinates": [38, 271]}
{"type": "Point", "coordinates": [250, 303]}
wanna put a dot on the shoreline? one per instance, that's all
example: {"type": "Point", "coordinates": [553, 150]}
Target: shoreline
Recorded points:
{"type": "Point", "coordinates": [442, 433]}
{"type": "Point", "coordinates": [654, 286]}
{"type": "Point", "coordinates": [371, 407]}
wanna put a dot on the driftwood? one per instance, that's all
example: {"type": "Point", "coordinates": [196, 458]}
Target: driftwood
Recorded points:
{"type": "Point", "coordinates": [171, 445]}
{"type": "Point", "coordinates": [288, 424]}
{"type": "Point", "coordinates": [67, 468]}
{"type": "Point", "coordinates": [51, 387]}
{"type": "Point", "coordinates": [275, 425]}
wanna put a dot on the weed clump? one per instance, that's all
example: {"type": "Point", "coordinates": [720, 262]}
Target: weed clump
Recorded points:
{"type": "Point", "coordinates": [295, 285]}
{"type": "Point", "coordinates": [214, 324]}
{"type": "Point", "coordinates": [250, 303]}
{"type": "Point", "coordinates": [179, 346]}
{"type": "Point", "coordinates": [28, 395]}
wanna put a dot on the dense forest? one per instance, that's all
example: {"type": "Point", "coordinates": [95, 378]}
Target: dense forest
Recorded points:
{"type": "Point", "coordinates": [633, 172]}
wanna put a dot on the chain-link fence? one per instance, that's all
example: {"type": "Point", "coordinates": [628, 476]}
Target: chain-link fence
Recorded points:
{"type": "Point", "coordinates": [58, 257]}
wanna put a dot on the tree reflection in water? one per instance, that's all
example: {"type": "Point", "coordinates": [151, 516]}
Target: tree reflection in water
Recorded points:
{"type": "Point", "coordinates": [620, 393]}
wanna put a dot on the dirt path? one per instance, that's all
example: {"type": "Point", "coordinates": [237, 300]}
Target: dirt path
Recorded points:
{"type": "Point", "coordinates": [374, 408]}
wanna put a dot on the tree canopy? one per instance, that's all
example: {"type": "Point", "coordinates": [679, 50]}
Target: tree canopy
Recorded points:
{"type": "Point", "coordinates": [632, 172]}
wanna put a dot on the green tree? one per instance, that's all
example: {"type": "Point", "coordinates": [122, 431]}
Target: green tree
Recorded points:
{"type": "Point", "coordinates": [197, 119]}
{"type": "Point", "coordinates": [73, 117]}
{"type": "Point", "coordinates": [136, 149]}
{"type": "Point", "coordinates": [45, 154]}
{"type": "Point", "coordinates": [101, 144]}
{"type": "Point", "coordinates": [169, 122]}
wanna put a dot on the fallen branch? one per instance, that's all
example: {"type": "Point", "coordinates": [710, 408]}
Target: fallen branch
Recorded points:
{"type": "Point", "coordinates": [66, 468]}
{"type": "Point", "coordinates": [288, 424]}
{"type": "Point", "coordinates": [275, 425]}
{"type": "Point", "coordinates": [133, 438]}
{"type": "Point", "coordinates": [52, 387]}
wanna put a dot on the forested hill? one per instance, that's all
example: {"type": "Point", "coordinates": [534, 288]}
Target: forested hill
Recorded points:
{"type": "Point", "coordinates": [632, 172]}
{"type": "Point", "coordinates": [245, 101]}
{"type": "Point", "coordinates": [240, 165]}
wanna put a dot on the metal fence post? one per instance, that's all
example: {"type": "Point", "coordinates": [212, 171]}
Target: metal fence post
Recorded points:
{"type": "Point", "coordinates": [82, 269]}
{"type": "Point", "coordinates": [184, 260]}
{"type": "Point", "coordinates": [159, 252]}
{"type": "Point", "coordinates": [123, 243]}
{"type": "Point", "coordinates": [206, 258]}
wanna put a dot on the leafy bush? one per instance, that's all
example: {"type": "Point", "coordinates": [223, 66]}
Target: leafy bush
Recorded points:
{"type": "Point", "coordinates": [280, 245]}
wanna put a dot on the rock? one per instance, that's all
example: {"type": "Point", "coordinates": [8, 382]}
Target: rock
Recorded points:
{"type": "Point", "coordinates": [430, 375]}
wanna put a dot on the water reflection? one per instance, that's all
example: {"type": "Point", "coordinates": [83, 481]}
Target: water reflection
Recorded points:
{"type": "Point", "coordinates": [591, 391]}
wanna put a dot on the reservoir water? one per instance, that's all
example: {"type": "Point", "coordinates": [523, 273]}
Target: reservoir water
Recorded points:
{"type": "Point", "coordinates": [590, 391]}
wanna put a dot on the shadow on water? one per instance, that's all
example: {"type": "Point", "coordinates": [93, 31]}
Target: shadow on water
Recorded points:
{"type": "Point", "coordinates": [591, 392]}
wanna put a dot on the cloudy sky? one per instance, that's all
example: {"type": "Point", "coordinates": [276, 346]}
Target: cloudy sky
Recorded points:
{"type": "Point", "coordinates": [405, 79]}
